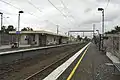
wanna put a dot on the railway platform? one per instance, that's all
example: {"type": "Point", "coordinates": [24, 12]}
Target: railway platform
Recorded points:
{"type": "Point", "coordinates": [92, 66]}
{"type": "Point", "coordinates": [75, 62]}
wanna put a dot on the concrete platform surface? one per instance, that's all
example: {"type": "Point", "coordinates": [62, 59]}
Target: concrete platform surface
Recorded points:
{"type": "Point", "coordinates": [5, 48]}
{"type": "Point", "coordinates": [92, 67]}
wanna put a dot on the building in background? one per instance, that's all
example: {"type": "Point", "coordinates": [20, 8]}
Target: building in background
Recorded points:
{"type": "Point", "coordinates": [38, 38]}
{"type": "Point", "coordinates": [5, 39]}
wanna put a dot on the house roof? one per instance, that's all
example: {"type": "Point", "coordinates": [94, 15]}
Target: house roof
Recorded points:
{"type": "Point", "coordinates": [37, 32]}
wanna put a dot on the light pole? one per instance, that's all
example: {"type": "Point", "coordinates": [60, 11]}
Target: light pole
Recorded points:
{"type": "Point", "coordinates": [99, 42]}
{"type": "Point", "coordinates": [83, 33]}
{"type": "Point", "coordinates": [101, 9]}
{"type": "Point", "coordinates": [1, 26]}
{"type": "Point", "coordinates": [57, 29]}
{"type": "Point", "coordinates": [68, 33]}
{"type": "Point", "coordinates": [19, 26]}
{"type": "Point", "coordinates": [98, 32]}
{"type": "Point", "coordinates": [93, 30]}
{"type": "Point", "coordinates": [1, 18]}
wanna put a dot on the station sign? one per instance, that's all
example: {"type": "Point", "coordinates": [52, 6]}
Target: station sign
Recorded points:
{"type": "Point", "coordinates": [17, 32]}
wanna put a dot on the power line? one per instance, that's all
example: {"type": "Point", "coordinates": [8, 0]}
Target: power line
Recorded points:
{"type": "Point", "coordinates": [5, 12]}
{"type": "Point", "coordinates": [65, 7]}
{"type": "Point", "coordinates": [68, 10]}
{"type": "Point", "coordinates": [8, 3]}
{"type": "Point", "coordinates": [63, 4]}
{"type": "Point", "coordinates": [57, 8]}
{"type": "Point", "coordinates": [33, 5]}
{"type": "Point", "coordinates": [107, 4]}
{"type": "Point", "coordinates": [52, 5]}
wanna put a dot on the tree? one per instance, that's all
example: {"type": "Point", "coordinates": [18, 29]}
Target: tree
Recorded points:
{"type": "Point", "coordinates": [115, 30]}
{"type": "Point", "coordinates": [85, 38]}
{"type": "Point", "coordinates": [31, 29]}
{"type": "Point", "coordinates": [10, 28]}
{"type": "Point", "coordinates": [3, 29]}
{"type": "Point", "coordinates": [27, 29]}
{"type": "Point", "coordinates": [79, 38]}
{"type": "Point", "coordinates": [24, 29]}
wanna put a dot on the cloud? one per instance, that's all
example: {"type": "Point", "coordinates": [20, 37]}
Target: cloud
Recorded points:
{"type": "Point", "coordinates": [80, 14]}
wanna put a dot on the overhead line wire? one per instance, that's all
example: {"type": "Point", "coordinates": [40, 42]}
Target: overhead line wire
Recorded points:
{"type": "Point", "coordinates": [107, 4]}
{"type": "Point", "coordinates": [5, 12]}
{"type": "Point", "coordinates": [33, 5]}
{"type": "Point", "coordinates": [8, 3]}
{"type": "Point", "coordinates": [67, 10]}
{"type": "Point", "coordinates": [56, 8]}
{"type": "Point", "coordinates": [59, 10]}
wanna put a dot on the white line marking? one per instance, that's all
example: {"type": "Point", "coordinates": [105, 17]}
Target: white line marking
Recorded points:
{"type": "Point", "coordinates": [58, 71]}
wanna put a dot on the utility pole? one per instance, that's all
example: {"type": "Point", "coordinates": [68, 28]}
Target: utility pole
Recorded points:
{"type": "Point", "coordinates": [68, 33]}
{"type": "Point", "coordinates": [19, 26]}
{"type": "Point", "coordinates": [83, 34]}
{"type": "Point", "coordinates": [103, 22]}
{"type": "Point", "coordinates": [101, 9]}
{"type": "Point", "coordinates": [93, 30]}
{"type": "Point", "coordinates": [1, 19]}
{"type": "Point", "coordinates": [57, 29]}
{"type": "Point", "coordinates": [102, 28]}
{"type": "Point", "coordinates": [1, 26]}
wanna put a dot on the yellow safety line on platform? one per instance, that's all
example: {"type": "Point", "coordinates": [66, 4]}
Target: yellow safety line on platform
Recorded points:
{"type": "Point", "coordinates": [74, 69]}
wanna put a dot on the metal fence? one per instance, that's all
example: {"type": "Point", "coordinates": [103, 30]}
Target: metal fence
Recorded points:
{"type": "Point", "coordinates": [6, 39]}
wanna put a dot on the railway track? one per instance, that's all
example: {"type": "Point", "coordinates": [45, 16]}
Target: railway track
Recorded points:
{"type": "Point", "coordinates": [52, 65]}
{"type": "Point", "coordinates": [44, 68]}
{"type": "Point", "coordinates": [41, 74]}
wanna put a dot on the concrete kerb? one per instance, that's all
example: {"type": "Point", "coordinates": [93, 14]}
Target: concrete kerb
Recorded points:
{"type": "Point", "coordinates": [113, 58]}
{"type": "Point", "coordinates": [32, 49]}
{"type": "Point", "coordinates": [115, 62]}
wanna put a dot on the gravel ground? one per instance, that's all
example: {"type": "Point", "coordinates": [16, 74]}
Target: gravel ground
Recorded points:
{"type": "Point", "coordinates": [92, 67]}
{"type": "Point", "coordinates": [30, 66]}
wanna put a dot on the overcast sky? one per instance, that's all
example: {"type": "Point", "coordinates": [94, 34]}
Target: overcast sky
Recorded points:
{"type": "Point", "coordinates": [74, 15]}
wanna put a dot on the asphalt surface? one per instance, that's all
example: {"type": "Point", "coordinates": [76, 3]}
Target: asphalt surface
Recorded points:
{"type": "Point", "coordinates": [92, 67]}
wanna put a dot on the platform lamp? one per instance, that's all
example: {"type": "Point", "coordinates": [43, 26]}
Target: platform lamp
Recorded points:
{"type": "Point", "coordinates": [18, 32]}
{"type": "Point", "coordinates": [99, 39]}
{"type": "Point", "coordinates": [101, 9]}
{"type": "Point", "coordinates": [1, 25]}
